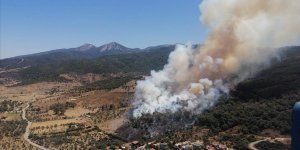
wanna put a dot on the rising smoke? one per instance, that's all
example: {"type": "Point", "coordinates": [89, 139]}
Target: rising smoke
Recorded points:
{"type": "Point", "coordinates": [244, 37]}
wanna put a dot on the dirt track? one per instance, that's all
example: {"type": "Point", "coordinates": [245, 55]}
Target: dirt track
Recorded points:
{"type": "Point", "coordinates": [252, 145]}
{"type": "Point", "coordinates": [27, 132]}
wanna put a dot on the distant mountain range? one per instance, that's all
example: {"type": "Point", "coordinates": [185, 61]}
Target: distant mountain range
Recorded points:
{"type": "Point", "coordinates": [89, 50]}
{"type": "Point", "coordinates": [85, 51]}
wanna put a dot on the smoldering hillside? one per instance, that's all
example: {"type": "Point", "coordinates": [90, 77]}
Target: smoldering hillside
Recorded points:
{"type": "Point", "coordinates": [261, 102]}
{"type": "Point", "coordinates": [244, 39]}
{"type": "Point", "coordinates": [243, 44]}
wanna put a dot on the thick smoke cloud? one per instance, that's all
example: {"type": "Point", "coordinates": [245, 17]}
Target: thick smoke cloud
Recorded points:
{"type": "Point", "coordinates": [244, 37]}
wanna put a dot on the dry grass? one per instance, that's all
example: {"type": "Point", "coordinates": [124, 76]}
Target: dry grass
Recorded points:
{"type": "Point", "coordinates": [112, 125]}
{"type": "Point", "coordinates": [12, 143]}
{"type": "Point", "coordinates": [58, 122]}
{"type": "Point", "coordinates": [102, 98]}
{"type": "Point", "coordinates": [49, 130]}
{"type": "Point", "coordinates": [35, 91]}
{"type": "Point", "coordinates": [12, 116]}
{"type": "Point", "coordinates": [87, 78]}
{"type": "Point", "coordinates": [77, 112]}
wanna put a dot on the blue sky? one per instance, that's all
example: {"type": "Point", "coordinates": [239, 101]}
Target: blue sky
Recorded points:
{"type": "Point", "coordinates": [30, 26]}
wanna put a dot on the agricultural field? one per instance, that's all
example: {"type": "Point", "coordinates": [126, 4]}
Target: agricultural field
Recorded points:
{"type": "Point", "coordinates": [64, 112]}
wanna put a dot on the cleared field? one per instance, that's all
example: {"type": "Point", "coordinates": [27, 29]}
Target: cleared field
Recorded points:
{"type": "Point", "coordinates": [34, 91]}
{"type": "Point", "coordinates": [87, 78]}
{"type": "Point", "coordinates": [51, 129]}
{"type": "Point", "coordinates": [102, 97]}
{"type": "Point", "coordinates": [76, 112]}
{"type": "Point", "coordinates": [58, 122]}
{"type": "Point", "coordinates": [12, 116]}
{"type": "Point", "coordinates": [112, 125]}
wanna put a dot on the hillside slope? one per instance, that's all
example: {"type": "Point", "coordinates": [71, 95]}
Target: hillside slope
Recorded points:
{"type": "Point", "coordinates": [140, 62]}
{"type": "Point", "coordinates": [85, 51]}
{"type": "Point", "coordinates": [262, 102]}
{"type": "Point", "coordinates": [281, 78]}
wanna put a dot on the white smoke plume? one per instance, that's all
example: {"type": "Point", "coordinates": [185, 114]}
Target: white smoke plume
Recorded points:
{"type": "Point", "coordinates": [194, 79]}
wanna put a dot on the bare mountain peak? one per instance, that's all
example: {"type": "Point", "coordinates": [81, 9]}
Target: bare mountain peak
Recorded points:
{"type": "Point", "coordinates": [112, 46]}
{"type": "Point", "coordinates": [113, 43]}
{"type": "Point", "coordinates": [85, 47]}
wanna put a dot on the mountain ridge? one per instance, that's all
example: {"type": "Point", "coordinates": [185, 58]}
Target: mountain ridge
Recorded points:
{"type": "Point", "coordinates": [85, 51]}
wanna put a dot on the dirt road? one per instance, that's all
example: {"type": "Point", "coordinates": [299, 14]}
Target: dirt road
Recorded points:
{"type": "Point", "coordinates": [251, 146]}
{"type": "Point", "coordinates": [285, 140]}
{"type": "Point", "coordinates": [27, 132]}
